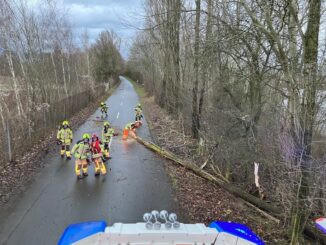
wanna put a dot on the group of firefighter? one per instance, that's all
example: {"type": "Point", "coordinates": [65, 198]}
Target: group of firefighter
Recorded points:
{"type": "Point", "coordinates": [92, 149]}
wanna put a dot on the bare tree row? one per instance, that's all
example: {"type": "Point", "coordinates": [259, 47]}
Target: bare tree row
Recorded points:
{"type": "Point", "coordinates": [47, 74]}
{"type": "Point", "coordinates": [249, 76]}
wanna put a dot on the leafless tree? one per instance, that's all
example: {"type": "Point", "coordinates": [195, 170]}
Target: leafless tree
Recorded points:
{"type": "Point", "coordinates": [251, 79]}
{"type": "Point", "coordinates": [45, 76]}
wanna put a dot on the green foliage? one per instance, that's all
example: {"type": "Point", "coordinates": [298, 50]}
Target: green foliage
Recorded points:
{"type": "Point", "coordinates": [107, 58]}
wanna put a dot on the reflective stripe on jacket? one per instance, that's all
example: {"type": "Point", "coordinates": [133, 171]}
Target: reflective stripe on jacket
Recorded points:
{"type": "Point", "coordinates": [106, 135]}
{"type": "Point", "coordinates": [81, 150]}
{"type": "Point", "coordinates": [128, 126]}
{"type": "Point", "coordinates": [138, 111]}
{"type": "Point", "coordinates": [65, 135]}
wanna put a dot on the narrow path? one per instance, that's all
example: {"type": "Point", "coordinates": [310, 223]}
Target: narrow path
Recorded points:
{"type": "Point", "coordinates": [135, 184]}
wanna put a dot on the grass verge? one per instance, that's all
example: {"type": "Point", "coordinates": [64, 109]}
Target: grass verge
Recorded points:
{"type": "Point", "coordinates": [140, 89]}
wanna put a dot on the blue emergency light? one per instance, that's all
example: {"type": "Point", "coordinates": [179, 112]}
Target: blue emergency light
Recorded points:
{"type": "Point", "coordinates": [238, 230]}
{"type": "Point", "coordinates": [76, 232]}
{"type": "Point", "coordinates": [321, 224]}
{"type": "Point", "coordinates": [159, 227]}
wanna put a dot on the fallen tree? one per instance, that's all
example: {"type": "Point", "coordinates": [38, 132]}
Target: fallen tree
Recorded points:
{"type": "Point", "coordinates": [229, 187]}
{"type": "Point", "coordinates": [310, 230]}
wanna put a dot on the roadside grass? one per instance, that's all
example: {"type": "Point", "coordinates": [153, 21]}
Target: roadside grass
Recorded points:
{"type": "Point", "coordinates": [140, 90]}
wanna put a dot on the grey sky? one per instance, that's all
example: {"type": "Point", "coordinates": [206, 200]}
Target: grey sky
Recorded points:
{"type": "Point", "coordinates": [98, 15]}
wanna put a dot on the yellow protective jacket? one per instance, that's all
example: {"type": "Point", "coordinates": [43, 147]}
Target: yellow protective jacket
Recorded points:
{"type": "Point", "coordinates": [128, 126]}
{"type": "Point", "coordinates": [104, 108]}
{"type": "Point", "coordinates": [138, 111]}
{"type": "Point", "coordinates": [65, 135]}
{"type": "Point", "coordinates": [81, 150]}
{"type": "Point", "coordinates": [106, 135]}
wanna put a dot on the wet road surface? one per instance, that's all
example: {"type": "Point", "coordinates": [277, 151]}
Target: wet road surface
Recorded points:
{"type": "Point", "coordinates": [136, 183]}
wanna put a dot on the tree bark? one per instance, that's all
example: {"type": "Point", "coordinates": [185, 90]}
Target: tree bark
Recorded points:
{"type": "Point", "coordinates": [175, 42]}
{"type": "Point", "coordinates": [207, 64]}
{"type": "Point", "coordinates": [307, 117]}
{"type": "Point", "coordinates": [195, 114]}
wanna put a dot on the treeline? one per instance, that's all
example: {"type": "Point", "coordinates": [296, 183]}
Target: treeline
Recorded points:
{"type": "Point", "coordinates": [47, 73]}
{"type": "Point", "coordinates": [246, 78]}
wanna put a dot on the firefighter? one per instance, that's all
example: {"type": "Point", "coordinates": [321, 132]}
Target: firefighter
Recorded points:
{"type": "Point", "coordinates": [64, 138]}
{"type": "Point", "coordinates": [104, 109]}
{"type": "Point", "coordinates": [130, 128]}
{"type": "Point", "coordinates": [96, 149]}
{"type": "Point", "coordinates": [139, 114]}
{"type": "Point", "coordinates": [107, 134]}
{"type": "Point", "coordinates": [82, 153]}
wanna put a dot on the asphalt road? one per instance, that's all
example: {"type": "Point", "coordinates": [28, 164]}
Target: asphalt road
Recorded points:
{"type": "Point", "coordinates": [136, 183]}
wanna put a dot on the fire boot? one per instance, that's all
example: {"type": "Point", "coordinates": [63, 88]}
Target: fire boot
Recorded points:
{"type": "Point", "coordinates": [68, 154]}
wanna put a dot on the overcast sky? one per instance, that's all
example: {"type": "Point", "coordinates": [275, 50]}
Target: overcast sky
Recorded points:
{"type": "Point", "coordinates": [98, 15]}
